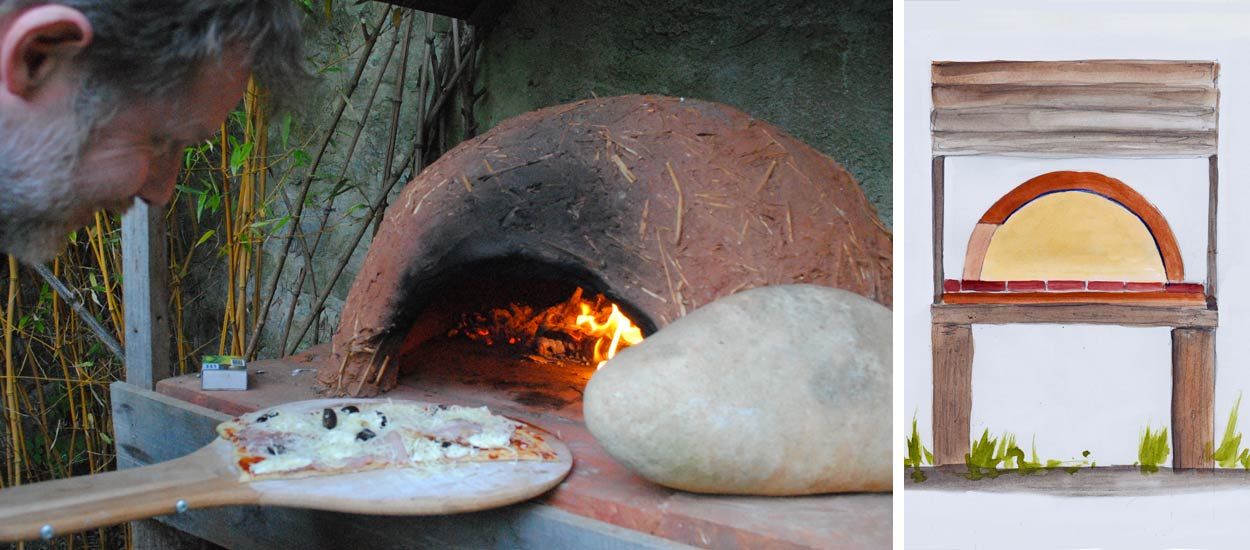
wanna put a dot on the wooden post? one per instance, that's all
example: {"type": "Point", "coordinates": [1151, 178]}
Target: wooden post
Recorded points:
{"type": "Point", "coordinates": [145, 288]}
{"type": "Point", "coordinates": [1193, 397]}
{"type": "Point", "coordinates": [939, 205]}
{"type": "Point", "coordinates": [1213, 174]}
{"type": "Point", "coordinates": [952, 392]}
{"type": "Point", "coordinates": [145, 265]}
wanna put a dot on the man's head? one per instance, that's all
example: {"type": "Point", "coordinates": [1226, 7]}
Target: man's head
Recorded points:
{"type": "Point", "coordinates": [98, 98]}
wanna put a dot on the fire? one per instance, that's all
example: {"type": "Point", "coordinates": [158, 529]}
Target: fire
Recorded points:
{"type": "Point", "coordinates": [617, 324]}
{"type": "Point", "coordinates": [576, 329]}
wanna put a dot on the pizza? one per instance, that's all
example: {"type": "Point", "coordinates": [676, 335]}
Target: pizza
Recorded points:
{"type": "Point", "coordinates": [293, 442]}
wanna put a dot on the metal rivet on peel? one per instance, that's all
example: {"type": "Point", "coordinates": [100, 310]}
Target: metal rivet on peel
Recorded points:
{"type": "Point", "coordinates": [45, 532]}
{"type": "Point", "coordinates": [180, 506]}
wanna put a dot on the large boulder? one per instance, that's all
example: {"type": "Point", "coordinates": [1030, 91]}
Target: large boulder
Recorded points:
{"type": "Point", "coordinates": [780, 390]}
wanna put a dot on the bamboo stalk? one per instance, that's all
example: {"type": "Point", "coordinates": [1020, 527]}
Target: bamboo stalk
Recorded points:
{"type": "Point", "coordinates": [351, 150]}
{"type": "Point", "coordinates": [10, 378]}
{"type": "Point", "coordinates": [434, 112]}
{"type": "Point", "coordinates": [293, 225]}
{"type": "Point", "coordinates": [397, 100]}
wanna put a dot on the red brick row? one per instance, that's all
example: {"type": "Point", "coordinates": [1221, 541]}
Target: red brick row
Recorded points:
{"type": "Point", "coordinates": [957, 285]}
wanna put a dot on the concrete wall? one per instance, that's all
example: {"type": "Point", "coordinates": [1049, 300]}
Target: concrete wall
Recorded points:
{"type": "Point", "coordinates": [821, 70]}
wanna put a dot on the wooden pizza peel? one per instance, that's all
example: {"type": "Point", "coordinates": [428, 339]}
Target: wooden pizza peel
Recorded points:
{"type": "Point", "coordinates": [209, 477]}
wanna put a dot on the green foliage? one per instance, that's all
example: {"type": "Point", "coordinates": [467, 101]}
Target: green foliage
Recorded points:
{"type": "Point", "coordinates": [989, 455]}
{"type": "Point", "coordinates": [917, 454]}
{"type": "Point", "coordinates": [1153, 449]}
{"type": "Point", "coordinates": [1229, 453]}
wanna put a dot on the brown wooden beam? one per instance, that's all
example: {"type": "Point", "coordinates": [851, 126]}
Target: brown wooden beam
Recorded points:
{"type": "Point", "coordinates": [938, 176]}
{"type": "Point", "coordinates": [1213, 174]}
{"type": "Point", "coordinates": [1091, 314]}
{"type": "Point", "coordinates": [1193, 397]}
{"type": "Point", "coordinates": [952, 392]}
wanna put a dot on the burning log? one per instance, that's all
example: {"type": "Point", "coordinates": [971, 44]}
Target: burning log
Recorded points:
{"type": "Point", "coordinates": [570, 331]}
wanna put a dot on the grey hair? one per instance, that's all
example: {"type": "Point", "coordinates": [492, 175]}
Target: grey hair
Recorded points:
{"type": "Point", "coordinates": [149, 48]}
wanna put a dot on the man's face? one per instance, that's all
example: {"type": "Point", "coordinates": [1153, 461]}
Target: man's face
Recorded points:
{"type": "Point", "coordinates": [62, 166]}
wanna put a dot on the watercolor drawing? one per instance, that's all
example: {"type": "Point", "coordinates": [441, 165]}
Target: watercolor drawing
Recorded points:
{"type": "Point", "coordinates": [1069, 247]}
{"type": "Point", "coordinates": [1074, 306]}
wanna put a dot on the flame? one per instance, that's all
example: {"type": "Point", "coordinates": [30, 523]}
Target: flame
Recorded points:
{"type": "Point", "coordinates": [571, 330]}
{"type": "Point", "coordinates": [617, 324]}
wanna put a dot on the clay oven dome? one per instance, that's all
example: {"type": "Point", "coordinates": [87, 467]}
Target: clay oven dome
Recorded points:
{"type": "Point", "coordinates": [663, 204]}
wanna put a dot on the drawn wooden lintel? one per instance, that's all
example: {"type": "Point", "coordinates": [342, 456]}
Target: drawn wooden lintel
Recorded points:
{"type": "Point", "coordinates": [1074, 314]}
{"type": "Point", "coordinates": [1099, 108]}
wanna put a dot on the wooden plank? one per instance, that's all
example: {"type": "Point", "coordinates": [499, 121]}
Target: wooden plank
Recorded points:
{"type": "Point", "coordinates": [939, 207]}
{"type": "Point", "coordinates": [145, 292]}
{"type": "Point", "coordinates": [150, 534]}
{"type": "Point", "coordinates": [150, 427]}
{"type": "Point", "coordinates": [1090, 314]}
{"type": "Point", "coordinates": [1029, 119]}
{"type": "Point", "coordinates": [1213, 195]}
{"type": "Point", "coordinates": [1088, 72]}
{"type": "Point", "coordinates": [952, 392]}
{"type": "Point", "coordinates": [1193, 397]}
{"type": "Point", "coordinates": [1155, 299]}
{"type": "Point", "coordinates": [1084, 144]}
{"type": "Point", "coordinates": [521, 526]}
{"type": "Point", "coordinates": [1107, 97]}
{"type": "Point", "coordinates": [158, 426]}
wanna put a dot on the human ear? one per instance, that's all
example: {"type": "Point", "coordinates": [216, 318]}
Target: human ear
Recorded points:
{"type": "Point", "coordinates": [39, 43]}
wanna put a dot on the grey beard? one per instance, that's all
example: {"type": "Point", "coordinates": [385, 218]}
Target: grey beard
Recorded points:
{"type": "Point", "coordinates": [37, 163]}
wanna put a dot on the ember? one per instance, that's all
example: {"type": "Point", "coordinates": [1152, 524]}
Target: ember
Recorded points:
{"type": "Point", "coordinates": [575, 330]}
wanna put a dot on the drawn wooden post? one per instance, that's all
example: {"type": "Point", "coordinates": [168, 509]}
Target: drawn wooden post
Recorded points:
{"type": "Point", "coordinates": [1064, 109]}
{"type": "Point", "coordinates": [952, 392]}
{"type": "Point", "coordinates": [1193, 384]}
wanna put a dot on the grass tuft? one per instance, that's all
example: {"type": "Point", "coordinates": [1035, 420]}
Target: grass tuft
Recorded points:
{"type": "Point", "coordinates": [917, 454]}
{"type": "Point", "coordinates": [1229, 453]}
{"type": "Point", "coordinates": [1153, 450]}
{"type": "Point", "coordinates": [990, 456]}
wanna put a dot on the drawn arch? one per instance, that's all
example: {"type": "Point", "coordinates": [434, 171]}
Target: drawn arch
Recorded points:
{"type": "Point", "coordinates": [1115, 191]}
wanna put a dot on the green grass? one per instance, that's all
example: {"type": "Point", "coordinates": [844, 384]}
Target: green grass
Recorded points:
{"type": "Point", "coordinates": [1229, 453]}
{"type": "Point", "coordinates": [990, 456]}
{"type": "Point", "coordinates": [1153, 450]}
{"type": "Point", "coordinates": [917, 454]}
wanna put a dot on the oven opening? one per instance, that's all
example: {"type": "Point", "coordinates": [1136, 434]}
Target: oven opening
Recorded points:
{"type": "Point", "coordinates": [529, 329]}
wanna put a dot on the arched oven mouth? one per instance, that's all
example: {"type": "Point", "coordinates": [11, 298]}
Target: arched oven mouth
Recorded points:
{"type": "Point", "coordinates": [509, 323]}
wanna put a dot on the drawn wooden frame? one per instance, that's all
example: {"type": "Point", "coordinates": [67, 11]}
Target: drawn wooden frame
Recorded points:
{"type": "Point", "coordinates": [978, 110]}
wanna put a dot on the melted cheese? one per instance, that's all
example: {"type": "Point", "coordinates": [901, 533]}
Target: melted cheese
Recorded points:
{"type": "Point", "coordinates": [290, 441]}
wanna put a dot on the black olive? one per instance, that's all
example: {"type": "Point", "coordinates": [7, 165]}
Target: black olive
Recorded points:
{"type": "Point", "coordinates": [267, 416]}
{"type": "Point", "coordinates": [442, 407]}
{"type": "Point", "coordinates": [329, 419]}
{"type": "Point", "coordinates": [270, 450]}
{"type": "Point", "coordinates": [350, 409]}
{"type": "Point", "coordinates": [365, 435]}
{"type": "Point", "coordinates": [446, 444]}
{"type": "Point", "coordinates": [276, 449]}
{"type": "Point", "coordinates": [383, 418]}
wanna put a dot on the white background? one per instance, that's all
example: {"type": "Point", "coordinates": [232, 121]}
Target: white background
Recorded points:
{"type": "Point", "coordinates": [1076, 387]}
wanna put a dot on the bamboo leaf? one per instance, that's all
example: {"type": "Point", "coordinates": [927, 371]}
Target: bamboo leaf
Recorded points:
{"type": "Point", "coordinates": [206, 236]}
{"type": "Point", "coordinates": [238, 156]}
